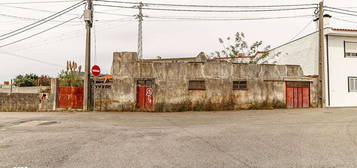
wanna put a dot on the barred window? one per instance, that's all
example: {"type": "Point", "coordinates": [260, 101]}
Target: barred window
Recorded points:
{"type": "Point", "coordinates": [240, 85]}
{"type": "Point", "coordinates": [196, 85]}
{"type": "Point", "coordinates": [351, 49]}
{"type": "Point", "coordinates": [352, 84]}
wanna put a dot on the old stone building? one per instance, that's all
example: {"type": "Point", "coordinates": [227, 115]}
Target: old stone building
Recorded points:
{"type": "Point", "coordinates": [200, 84]}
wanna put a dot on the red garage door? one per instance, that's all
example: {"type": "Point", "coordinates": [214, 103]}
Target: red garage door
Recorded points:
{"type": "Point", "coordinates": [298, 94]}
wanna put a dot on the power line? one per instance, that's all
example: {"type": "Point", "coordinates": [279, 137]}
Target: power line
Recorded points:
{"type": "Point", "coordinates": [28, 37]}
{"type": "Point", "coordinates": [209, 6]}
{"type": "Point", "coordinates": [53, 40]}
{"type": "Point", "coordinates": [344, 13]}
{"type": "Point", "coordinates": [226, 19]}
{"type": "Point", "coordinates": [35, 2]}
{"type": "Point", "coordinates": [115, 14]}
{"type": "Point", "coordinates": [32, 9]}
{"type": "Point", "coordinates": [25, 18]}
{"type": "Point", "coordinates": [344, 10]}
{"type": "Point", "coordinates": [336, 18]}
{"type": "Point", "coordinates": [31, 59]}
{"type": "Point", "coordinates": [40, 22]}
{"type": "Point", "coordinates": [201, 10]}
{"type": "Point", "coordinates": [302, 30]}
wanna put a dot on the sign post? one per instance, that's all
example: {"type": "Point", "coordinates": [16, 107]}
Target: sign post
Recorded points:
{"type": "Point", "coordinates": [95, 73]}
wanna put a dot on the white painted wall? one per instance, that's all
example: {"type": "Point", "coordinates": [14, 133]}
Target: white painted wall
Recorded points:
{"type": "Point", "coordinates": [303, 52]}
{"type": "Point", "coordinates": [340, 69]}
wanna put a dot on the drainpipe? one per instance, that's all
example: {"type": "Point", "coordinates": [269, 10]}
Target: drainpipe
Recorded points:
{"type": "Point", "coordinates": [328, 72]}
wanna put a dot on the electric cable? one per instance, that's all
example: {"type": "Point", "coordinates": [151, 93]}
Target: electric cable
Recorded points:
{"type": "Point", "coordinates": [28, 37]}
{"type": "Point", "coordinates": [202, 10]}
{"type": "Point", "coordinates": [344, 13]}
{"type": "Point", "coordinates": [344, 10]}
{"type": "Point", "coordinates": [40, 22]}
{"type": "Point", "coordinates": [336, 18]}
{"type": "Point", "coordinates": [32, 9]}
{"type": "Point", "coordinates": [35, 2]}
{"type": "Point", "coordinates": [205, 6]}
{"type": "Point", "coordinates": [226, 19]}
{"type": "Point", "coordinates": [25, 18]}
{"type": "Point", "coordinates": [303, 29]}
{"type": "Point", "coordinates": [31, 59]}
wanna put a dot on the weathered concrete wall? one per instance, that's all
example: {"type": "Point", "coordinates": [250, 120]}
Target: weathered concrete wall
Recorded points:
{"type": "Point", "coordinates": [35, 89]}
{"type": "Point", "coordinates": [19, 102]}
{"type": "Point", "coordinates": [25, 102]}
{"type": "Point", "coordinates": [265, 84]}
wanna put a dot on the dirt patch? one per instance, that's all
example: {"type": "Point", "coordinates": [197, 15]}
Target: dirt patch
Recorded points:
{"type": "Point", "coordinates": [33, 123]}
{"type": "Point", "coordinates": [4, 146]}
{"type": "Point", "coordinates": [48, 123]}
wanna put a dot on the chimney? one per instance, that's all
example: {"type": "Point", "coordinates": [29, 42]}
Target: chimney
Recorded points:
{"type": "Point", "coordinates": [326, 21]}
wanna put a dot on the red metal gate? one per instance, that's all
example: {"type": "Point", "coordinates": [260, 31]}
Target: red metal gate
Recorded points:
{"type": "Point", "coordinates": [298, 94]}
{"type": "Point", "coordinates": [144, 97]}
{"type": "Point", "coordinates": [70, 97]}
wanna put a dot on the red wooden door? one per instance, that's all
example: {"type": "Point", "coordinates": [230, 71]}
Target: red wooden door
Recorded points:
{"type": "Point", "coordinates": [70, 97]}
{"type": "Point", "coordinates": [145, 97]}
{"type": "Point", "coordinates": [298, 94]}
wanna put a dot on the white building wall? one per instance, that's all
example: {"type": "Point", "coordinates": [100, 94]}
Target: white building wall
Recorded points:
{"type": "Point", "coordinates": [303, 52]}
{"type": "Point", "coordinates": [340, 68]}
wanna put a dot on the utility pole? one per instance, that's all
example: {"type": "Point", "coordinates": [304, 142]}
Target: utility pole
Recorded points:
{"type": "Point", "coordinates": [88, 18]}
{"type": "Point", "coordinates": [321, 86]}
{"type": "Point", "coordinates": [140, 30]}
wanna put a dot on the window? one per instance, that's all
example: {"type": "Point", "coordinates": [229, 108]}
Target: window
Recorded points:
{"type": "Point", "coordinates": [240, 85]}
{"type": "Point", "coordinates": [196, 85]}
{"type": "Point", "coordinates": [148, 82]}
{"type": "Point", "coordinates": [352, 84]}
{"type": "Point", "coordinates": [351, 49]}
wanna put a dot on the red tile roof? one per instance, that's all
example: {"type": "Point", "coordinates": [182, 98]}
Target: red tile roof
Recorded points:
{"type": "Point", "coordinates": [106, 77]}
{"type": "Point", "coordinates": [352, 30]}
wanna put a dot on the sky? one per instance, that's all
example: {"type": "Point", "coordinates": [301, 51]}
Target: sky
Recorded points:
{"type": "Point", "coordinates": [115, 30]}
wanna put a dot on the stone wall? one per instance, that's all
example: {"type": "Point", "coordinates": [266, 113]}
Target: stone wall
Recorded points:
{"type": "Point", "coordinates": [19, 102]}
{"type": "Point", "coordinates": [266, 84]}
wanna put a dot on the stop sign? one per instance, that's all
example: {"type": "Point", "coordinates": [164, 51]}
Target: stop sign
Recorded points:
{"type": "Point", "coordinates": [96, 70]}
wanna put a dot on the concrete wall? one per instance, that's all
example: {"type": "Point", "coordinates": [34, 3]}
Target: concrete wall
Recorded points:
{"type": "Point", "coordinates": [35, 89]}
{"type": "Point", "coordinates": [340, 69]}
{"type": "Point", "coordinates": [19, 102]}
{"type": "Point", "coordinates": [25, 102]}
{"type": "Point", "coordinates": [265, 84]}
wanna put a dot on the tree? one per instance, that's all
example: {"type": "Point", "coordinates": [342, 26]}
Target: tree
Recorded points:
{"type": "Point", "coordinates": [26, 80]}
{"type": "Point", "coordinates": [239, 47]}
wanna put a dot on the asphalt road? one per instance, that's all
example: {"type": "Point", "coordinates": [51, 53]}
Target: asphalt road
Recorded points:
{"type": "Point", "coordinates": [270, 138]}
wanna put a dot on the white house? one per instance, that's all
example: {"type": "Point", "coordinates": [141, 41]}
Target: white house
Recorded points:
{"type": "Point", "coordinates": [340, 62]}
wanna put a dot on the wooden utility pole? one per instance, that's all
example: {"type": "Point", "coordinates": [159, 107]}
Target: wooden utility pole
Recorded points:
{"type": "Point", "coordinates": [88, 18]}
{"type": "Point", "coordinates": [321, 86]}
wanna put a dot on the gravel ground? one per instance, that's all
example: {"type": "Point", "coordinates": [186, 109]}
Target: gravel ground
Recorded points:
{"type": "Point", "coordinates": [266, 138]}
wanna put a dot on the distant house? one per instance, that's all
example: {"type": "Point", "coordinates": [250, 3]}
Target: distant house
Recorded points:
{"type": "Point", "coordinates": [340, 62]}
